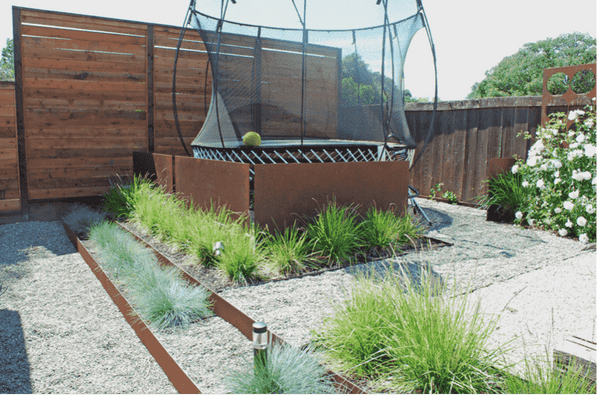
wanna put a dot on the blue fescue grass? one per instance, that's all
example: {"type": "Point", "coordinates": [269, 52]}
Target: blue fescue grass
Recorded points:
{"type": "Point", "coordinates": [159, 294]}
{"type": "Point", "coordinates": [288, 370]}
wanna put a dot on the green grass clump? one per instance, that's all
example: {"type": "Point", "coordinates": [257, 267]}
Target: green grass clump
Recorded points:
{"type": "Point", "coordinates": [288, 370]}
{"type": "Point", "coordinates": [541, 378]}
{"type": "Point", "coordinates": [335, 232]}
{"type": "Point", "coordinates": [382, 229]}
{"type": "Point", "coordinates": [120, 199]}
{"type": "Point", "coordinates": [290, 251]}
{"type": "Point", "coordinates": [418, 336]}
{"type": "Point", "coordinates": [242, 256]}
{"type": "Point", "coordinates": [506, 190]}
{"type": "Point", "coordinates": [159, 294]}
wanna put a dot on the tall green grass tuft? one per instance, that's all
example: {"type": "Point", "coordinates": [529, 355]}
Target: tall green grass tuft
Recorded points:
{"type": "Point", "coordinates": [421, 336]}
{"type": "Point", "coordinates": [382, 229]}
{"type": "Point", "coordinates": [290, 251]}
{"type": "Point", "coordinates": [335, 231]}
{"type": "Point", "coordinates": [506, 190]}
{"type": "Point", "coordinates": [540, 377]}
{"type": "Point", "coordinates": [288, 370]}
{"type": "Point", "coordinates": [242, 256]}
{"type": "Point", "coordinates": [120, 199]}
{"type": "Point", "coordinates": [159, 294]}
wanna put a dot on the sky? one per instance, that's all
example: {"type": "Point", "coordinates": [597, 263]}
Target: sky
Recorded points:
{"type": "Point", "coordinates": [470, 36]}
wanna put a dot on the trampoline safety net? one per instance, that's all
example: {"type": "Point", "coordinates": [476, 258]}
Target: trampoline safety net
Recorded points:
{"type": "Point", "coordinates": [311, 94]}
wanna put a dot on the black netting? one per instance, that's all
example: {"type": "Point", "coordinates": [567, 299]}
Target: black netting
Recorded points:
{"type": "Point", "coordinates": [307, 87]}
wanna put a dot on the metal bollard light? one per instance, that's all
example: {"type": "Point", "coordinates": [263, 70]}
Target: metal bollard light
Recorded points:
{"type": "Point", "coordinates": [259, 343]}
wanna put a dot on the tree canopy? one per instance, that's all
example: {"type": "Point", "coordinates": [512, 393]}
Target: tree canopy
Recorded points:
{"type": "Point", "coordinates": [7, 64]}
{"type": "Point", "coordinates": [521, 74]}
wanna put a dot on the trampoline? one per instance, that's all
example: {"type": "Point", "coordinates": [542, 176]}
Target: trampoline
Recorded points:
{"type": "Point", "coordinates": [312, 94]}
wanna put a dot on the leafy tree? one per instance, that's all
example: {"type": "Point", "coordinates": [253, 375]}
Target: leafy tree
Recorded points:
{"type": "Point", "coordinates": [361, 86]}
{"type": "Point", "coordinates": [521, 74]}
{"type": "Point", "coordinates": [7, 68]}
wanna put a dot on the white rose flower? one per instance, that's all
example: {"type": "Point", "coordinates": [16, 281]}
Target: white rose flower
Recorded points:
{"type": "Point", "coordinates": [578, 153]}
{"type": "Point", "coordinates": [557, 210]}
{"type": "Point", "coordinates": [557, 164]}
{"type": "Point", "coordinates": [586, 175]}
{"type": "Point", "coordinates": [574, 194]}
{"type": "Point", "coordinates": [581, 221]}
{"type": "Point", "coordinates": [519, 215]}
{"type": "Point", "coordinates": [574, 145]}
{"type": "Point", "coordinates": [584, 238]}
{"type": "Point", "coordinates": [515, 169]}
{"type": "Point", "coordinates": [571, 133]}
{"type": "Point", "coordinates": [557, 174]}
{"type": "Point", "coordinates": [589, 150]}
{"type": "Point", "coordinates": [590, 208]}
{"type": "Point", "coordinates": [570, 156]}
{"type": "Point", "coordinates": [525, 183]}
{"type": "Point", "coordinates": [568, 205]}
{"type": "Point", "coordinates": [578, 176]}
{"type": "Point", "coordinates": [531, 161]}
{"type": "Point", "coordinates": [557, 180]}
{"type": "Point", "coordinates": [540, 184]}
{"type": "Point", "coordinates": [580, 138]}
{"type": "Point", "coordinates": [544, 166]}
{"type": "Point", "coordinates": [530, 222]}
{"type": "Point", "coordinates": [563, 232]}
{"type": "Point", "coordinates": [589, 123]}
{"type": "Point", "coordinates": [568, 224]}
{"type": "Point", "coordinates": [554, 131]}
{"type": "Point", "coordinates": [573, 115]}
{"type": "Point", "coordinates": [594, 181]}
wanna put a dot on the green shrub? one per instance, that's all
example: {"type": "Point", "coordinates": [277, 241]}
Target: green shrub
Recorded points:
{"type": "Point", "coordinates": [120, 199]}
{"type": "Point", "coordinates": [288, 370]}
{"type": "Point", "coordinates": [384, 229]}
{"type": "Point", "coordinates": [419, 337]}
{"type": "Point", "coordinates": [506, 190]}
{"type": "Point", "coordinates": [335, 232]}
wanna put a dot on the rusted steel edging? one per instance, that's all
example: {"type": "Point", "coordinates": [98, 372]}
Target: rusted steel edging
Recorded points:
{"type": "Point", "coordinates": [237, 318]}
{"type": "Point", "coordinates": [180, 380]}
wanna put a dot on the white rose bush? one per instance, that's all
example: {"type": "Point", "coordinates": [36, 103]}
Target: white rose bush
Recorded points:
{"type": "Point", "coordinates": [559, 176]}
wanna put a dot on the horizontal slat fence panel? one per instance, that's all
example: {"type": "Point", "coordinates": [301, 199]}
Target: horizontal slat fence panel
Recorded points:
{"type": "Point", "coordinates": [84, 97]}
{"type": "Point", "coordinates": [9, 163]}
{"type": "Point", "coordinates": [193, 89]}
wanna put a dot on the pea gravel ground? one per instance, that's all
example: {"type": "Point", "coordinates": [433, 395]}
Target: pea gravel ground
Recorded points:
{"type": "Point", "coordinates": [61, 333]}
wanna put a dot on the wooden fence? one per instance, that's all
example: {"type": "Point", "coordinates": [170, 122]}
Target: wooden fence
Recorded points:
{"type": "Point", "coordinates": [9, 166]}
{"type": "Point", "coordinates": [90, 91]}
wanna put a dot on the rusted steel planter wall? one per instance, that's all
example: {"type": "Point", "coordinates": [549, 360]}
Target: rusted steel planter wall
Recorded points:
{"type": "Point", "coordinates": [284, 193]}
{"type": "Point", "coordinates": [9, 164]}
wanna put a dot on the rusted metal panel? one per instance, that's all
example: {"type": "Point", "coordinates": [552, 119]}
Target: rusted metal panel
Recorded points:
{"type": "Point", "coordinates": [180, 380]}
{"type": "Point", "coordinates": [158, 167]}
{"type": "Point", "coordinates": [285, 192]}
{"type": "Point", "coordinates": [499, 165]}
{"type": "Point", "coordinates": [572, 99]}
{"type": "Point", "coordinates": [218, 182]}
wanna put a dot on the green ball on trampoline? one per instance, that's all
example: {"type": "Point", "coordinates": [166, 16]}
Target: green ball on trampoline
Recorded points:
{"type": "Point", "coordinates": [251, 139]}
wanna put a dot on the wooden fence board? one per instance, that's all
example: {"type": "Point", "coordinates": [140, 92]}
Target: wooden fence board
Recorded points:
{"type": "Point", "coordinates": [9, 165]}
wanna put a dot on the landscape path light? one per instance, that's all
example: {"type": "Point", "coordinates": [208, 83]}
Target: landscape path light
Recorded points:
{"type": "Point", "coordinates": [259, 343]}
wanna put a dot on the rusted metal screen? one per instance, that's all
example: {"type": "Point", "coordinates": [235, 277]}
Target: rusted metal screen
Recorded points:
{"type": "Point", "coordinates": [286, 192]}
{"type": "Point", "coordinates": [9, 164]}
{"type": "Point", "coordinates": [209, 182]}
{"type": "Point", "coordinates": [570, 100]}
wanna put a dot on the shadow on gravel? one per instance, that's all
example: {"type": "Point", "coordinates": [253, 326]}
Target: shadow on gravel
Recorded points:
{"type": "Point", "coordinates": [14, 372]}
{"type": "Point", "coordinates": [413, 269]}
{"type": "Point", "coordinates": [438, 219]}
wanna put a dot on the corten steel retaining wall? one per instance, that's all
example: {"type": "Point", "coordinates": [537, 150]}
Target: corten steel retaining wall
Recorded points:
{"type": "Point", "coordinates": [9, 164]}
{"type": "Point", "coordinates": [283, 193]}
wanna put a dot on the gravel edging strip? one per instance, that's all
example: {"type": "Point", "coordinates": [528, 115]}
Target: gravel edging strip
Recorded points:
{"type": "Point", "coordinates": [178, 377]}
{"type": "Point", "coordinates": [237, 318]}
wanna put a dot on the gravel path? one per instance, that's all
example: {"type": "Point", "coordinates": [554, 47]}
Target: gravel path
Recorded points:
{"type": "Point", "coordinates": [50, 343]}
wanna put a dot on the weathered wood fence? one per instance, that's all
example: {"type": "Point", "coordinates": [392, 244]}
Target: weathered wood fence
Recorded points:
{"type": "Point", "coordinates": [90, 91]}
